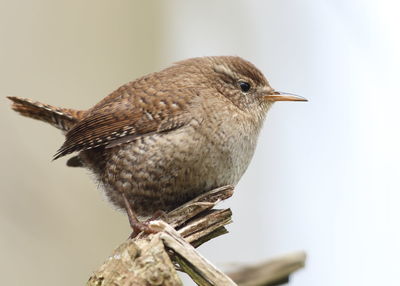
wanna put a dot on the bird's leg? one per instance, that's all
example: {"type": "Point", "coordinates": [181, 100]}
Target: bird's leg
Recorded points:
{"type": "Point", "coordinates": [136, 224]}
{"type": "Point", "coordinates": [160, 214]}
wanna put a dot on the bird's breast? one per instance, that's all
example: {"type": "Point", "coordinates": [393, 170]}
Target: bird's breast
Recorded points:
{"type": "Point", "coordinates": [233, 142]}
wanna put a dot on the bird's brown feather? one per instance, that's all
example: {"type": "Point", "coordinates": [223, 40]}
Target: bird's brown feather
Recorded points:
{"type": "Point", "coordinates": [138, 113]}
{"type": "Point", "coordinates": [61, 118]}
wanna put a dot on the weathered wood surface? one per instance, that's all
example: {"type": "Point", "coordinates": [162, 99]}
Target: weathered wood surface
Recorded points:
{"type": "Point", "coordinates": [152, 259]}
{"type": "Point", "coordinates": [272, 272]}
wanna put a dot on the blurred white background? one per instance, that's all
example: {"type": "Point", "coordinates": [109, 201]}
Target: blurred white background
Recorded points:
{"type": "Point", "coordinates": [324, 179]}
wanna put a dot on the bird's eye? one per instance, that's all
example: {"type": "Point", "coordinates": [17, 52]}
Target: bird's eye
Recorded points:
{"type": "Point", "coordinates": [244, 86]}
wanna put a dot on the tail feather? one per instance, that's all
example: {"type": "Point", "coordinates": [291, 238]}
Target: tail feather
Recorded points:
{"type": "Point", "coordinates": [61, 118]}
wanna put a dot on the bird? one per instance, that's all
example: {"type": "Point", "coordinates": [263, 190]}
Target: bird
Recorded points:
{"type": "Point", "coordinates": [169, 136]}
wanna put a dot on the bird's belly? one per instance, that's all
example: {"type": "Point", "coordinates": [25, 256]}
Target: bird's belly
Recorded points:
{"type": "Point", "coordinates": [162, 171]}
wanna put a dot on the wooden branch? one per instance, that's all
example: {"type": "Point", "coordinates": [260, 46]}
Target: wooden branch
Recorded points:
{"type": "Point", "coordinates": [204, 202]}
{"type": "Point", "coordinates": [272, 272]}
{"type": "Point", "coordinates": [198, 268]}
{"type": "Point", "coordinates": [152, 259]}
{"type": "Point", "coordinates": [137, 262]}
{"type": "Point", "coordinates": [145, 260]}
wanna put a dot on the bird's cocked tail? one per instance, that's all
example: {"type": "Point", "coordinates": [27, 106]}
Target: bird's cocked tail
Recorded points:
{"type": "Point", "coordinates": [61, 118]}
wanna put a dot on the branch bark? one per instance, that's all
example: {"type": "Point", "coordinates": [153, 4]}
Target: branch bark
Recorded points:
{"type": "Point", "coordinates": [268, 273]}
{"type": "Point", "coordinates": [152, 259]}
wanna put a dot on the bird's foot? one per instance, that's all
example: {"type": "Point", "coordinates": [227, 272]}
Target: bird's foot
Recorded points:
{"type": "Point", "coordinates": [136, 224]}
{"type": "Point", "coordinates": [139, 227]}
{"type": "Point", "coordinates": [145, 225]}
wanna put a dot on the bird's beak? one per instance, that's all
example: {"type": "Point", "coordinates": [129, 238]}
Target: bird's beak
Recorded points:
{"type": "Point", "coordinates": [283, 96]}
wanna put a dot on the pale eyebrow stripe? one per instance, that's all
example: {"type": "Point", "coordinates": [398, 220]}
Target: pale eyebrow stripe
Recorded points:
{"type": "Point", "coordinates": [224, 70]}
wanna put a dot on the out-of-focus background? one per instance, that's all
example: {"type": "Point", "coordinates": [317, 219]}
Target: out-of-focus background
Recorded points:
{"type": "Point", "coordinates": [324, 179]}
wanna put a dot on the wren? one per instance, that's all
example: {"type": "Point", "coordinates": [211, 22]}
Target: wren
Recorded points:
{"type": "Point", "coordinates": [169, 136]}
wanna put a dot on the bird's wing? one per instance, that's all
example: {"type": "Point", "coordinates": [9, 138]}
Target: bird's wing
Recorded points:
{"type": "Point", "coordinates": [126, 115]}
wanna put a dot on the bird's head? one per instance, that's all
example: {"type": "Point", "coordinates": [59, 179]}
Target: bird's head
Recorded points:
{"type": "Point", "coordinates": [242, 83]}
{"type": "Point", "coordinates": [232, 77]}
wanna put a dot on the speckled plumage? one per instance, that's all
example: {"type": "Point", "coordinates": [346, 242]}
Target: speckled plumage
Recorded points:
{"type": "Point", "coordinates": [168, 136]}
